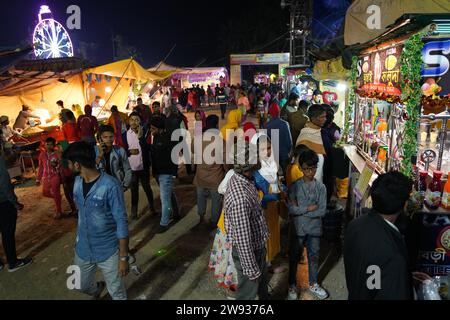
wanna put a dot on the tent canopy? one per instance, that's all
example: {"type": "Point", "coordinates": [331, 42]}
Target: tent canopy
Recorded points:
{"type": "Point", "coordinates": [39, 84]}
{"type": "Point", "coordinates": [128, 68]}
{"type": "Point", "coordinates": [356, 21]}
{"type": "Point", "coordinates": [164, 70]}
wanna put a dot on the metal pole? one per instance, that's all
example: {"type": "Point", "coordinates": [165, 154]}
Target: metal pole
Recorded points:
{"type": "Point", "coordinates": [292, 31]}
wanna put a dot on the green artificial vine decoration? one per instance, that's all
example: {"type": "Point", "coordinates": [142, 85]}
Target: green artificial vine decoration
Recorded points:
{"type": "Point", "coordinates": [410, 70]}
{"type": "Point", "coordinates": [351, 100]}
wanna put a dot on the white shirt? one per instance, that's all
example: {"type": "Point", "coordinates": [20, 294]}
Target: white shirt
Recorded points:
{"type": "Point", "coordinates": [136, 162]}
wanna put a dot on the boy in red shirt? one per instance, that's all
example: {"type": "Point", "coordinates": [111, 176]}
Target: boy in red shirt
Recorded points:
{"type": "Point", "coordinates": [50, 174]}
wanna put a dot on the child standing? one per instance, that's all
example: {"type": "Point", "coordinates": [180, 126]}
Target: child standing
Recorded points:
{"type": "Point", "coordinates": [307, 206]}
{"type": "Point", "coordinates": [50, 174]}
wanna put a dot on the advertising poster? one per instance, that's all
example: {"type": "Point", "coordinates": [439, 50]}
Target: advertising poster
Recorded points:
{"type": "Point", "coordinates": [380, 71]}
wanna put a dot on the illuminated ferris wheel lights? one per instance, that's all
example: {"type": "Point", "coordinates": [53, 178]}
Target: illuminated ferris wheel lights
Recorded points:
{"type": "Point", "coordinates": [50, 38]}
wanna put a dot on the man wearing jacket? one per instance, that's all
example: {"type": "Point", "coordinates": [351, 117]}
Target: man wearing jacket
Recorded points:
{"type": "Point", "coordinates": [164, 170]}
{"type": "Point", "coordinates": [138, 151]}
{"type": "Point", "coordinates": [102, 234]}
{"type": "Point", "coordinates": [373, 242]}
{"type": "Point", "coordinates": [112, 159]}
{"type": "Point", "coordinates": [208, 178]}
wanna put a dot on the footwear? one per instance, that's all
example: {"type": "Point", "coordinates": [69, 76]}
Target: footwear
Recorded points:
{"type": "Point", "coordinates": [162, 229]}
{"type": "Point", "coordinates": [21, 263]}
{"type": "Point", "coordinates": [293, 293]}
{"type": "Point", "coordinates": [1, 266]}
{"type": "Point", "coordinates": [100, 288]}
{"type": "Point", "coordinates": [318, 291]}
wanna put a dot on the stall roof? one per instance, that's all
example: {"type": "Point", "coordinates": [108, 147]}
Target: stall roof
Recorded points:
{"type": "Point", "coordinates": [357, 30]}
{"type": "Point", "coordinates": [28, 75]}
{"type": "Point", "coordinates": [128, 68]}
{"type": "Point", "coordinates": [165, 70]}
{"type": "Point", "coordinates": [404, 26]}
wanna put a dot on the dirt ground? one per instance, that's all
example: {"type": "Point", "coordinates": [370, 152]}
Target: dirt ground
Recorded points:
{"type": "Point", "coordinates": [173, 265]}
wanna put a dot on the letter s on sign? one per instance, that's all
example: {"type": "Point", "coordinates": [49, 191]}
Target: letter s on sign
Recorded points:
{"type": "Point", "coordinates": [439, 63]}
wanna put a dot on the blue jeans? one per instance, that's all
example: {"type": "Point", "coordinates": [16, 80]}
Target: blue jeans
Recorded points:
{"type": "Point", "coordinates": [168, 199]}
{"type": "Point", "coordinates": [110, 270]}
{"type": "Point", "coordinates": [216, 203]}
{"type": "Point", "coordinates": [296, 246]}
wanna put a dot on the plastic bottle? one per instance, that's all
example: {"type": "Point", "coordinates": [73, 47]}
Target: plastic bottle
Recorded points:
{"type": "Point", "coordinates": [433, 197]}
{"type": "Point", "coordinates": [446, 194]}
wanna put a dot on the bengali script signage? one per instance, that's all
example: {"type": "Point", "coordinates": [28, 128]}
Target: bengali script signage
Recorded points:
{"type": "Point", "coordinates": [434, 243]}
{"type": "Point", "coordinates": [380, 71]}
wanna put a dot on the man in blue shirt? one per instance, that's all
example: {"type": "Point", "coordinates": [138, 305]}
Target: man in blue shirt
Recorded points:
{"type": "Point", "coordinates": [102, 235]}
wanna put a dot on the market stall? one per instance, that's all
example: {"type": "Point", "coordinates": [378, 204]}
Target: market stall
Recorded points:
{"type": "Point", "coordinates": [400, 104]}
{"type": "Point", "coordinates": [114, 83]}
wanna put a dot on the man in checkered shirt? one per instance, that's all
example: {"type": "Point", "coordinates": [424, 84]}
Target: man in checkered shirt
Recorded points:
{"type": "Point", "coordinates": [246, 227]}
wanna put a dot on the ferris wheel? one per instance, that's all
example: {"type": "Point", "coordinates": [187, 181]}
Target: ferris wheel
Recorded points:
{"type": "Point", "coordinates": [50, 38]}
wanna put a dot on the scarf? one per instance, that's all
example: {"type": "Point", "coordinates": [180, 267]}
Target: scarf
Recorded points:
{"type": "Point", "coordinates": [269, 171]}
{"type": "Point", "coordinates": [311, 136]}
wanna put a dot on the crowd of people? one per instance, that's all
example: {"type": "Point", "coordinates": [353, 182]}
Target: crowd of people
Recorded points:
{"type": "Point", "coordinates": [292, 177]}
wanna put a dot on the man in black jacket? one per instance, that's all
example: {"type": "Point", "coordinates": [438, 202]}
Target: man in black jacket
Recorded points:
{"type": "Point", "coordinates": [375, 253]}
{"type": "Point", "coordinates": [164, 170]}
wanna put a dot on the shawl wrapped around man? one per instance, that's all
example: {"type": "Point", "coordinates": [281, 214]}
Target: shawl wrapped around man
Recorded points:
{"type": "Point", "coordinates": [311, 136]}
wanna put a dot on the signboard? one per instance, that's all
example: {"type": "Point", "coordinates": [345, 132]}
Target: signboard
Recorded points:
{"type": "Point", "coordinates": [364, 180]}
{"type": "Point", "coordinates": [436, 71]}
{"type": "Point", "coordinates": [434, 243]}
{"type": "Point", "coordinates": [380, 71]}
{"type": "Point", "coordinates": [256, 59]}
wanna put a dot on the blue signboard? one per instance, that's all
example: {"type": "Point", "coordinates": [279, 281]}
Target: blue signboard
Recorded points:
{"type": "Point", "coordinates": [436, 57]}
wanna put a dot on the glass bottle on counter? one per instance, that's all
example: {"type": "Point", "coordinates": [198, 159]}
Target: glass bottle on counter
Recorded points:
{"type": "Point", "coordinates": [422, 185]}
{"type": "Point", "coordinates": [433, 196]}
{"type": "Point", "coordinates": [446, 194]}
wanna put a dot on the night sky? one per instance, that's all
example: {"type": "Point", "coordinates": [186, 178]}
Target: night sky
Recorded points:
{"type": "Point", "coordinates": [151, 28]}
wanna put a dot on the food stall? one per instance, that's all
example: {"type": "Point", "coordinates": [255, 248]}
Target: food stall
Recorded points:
{"type": "Point", "coordinates": [400, 99]}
